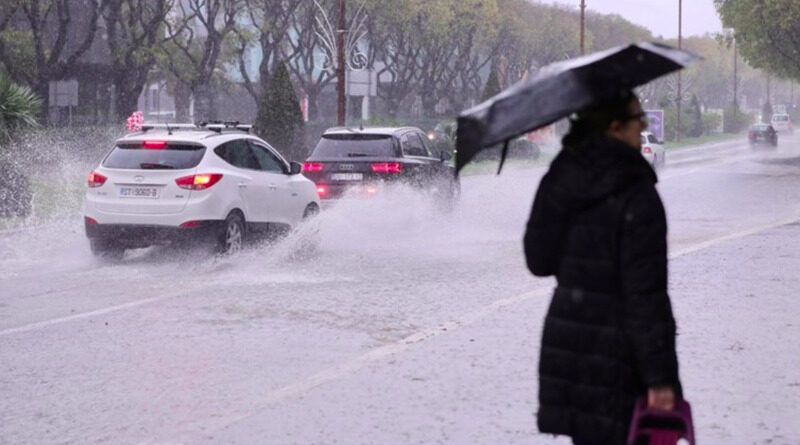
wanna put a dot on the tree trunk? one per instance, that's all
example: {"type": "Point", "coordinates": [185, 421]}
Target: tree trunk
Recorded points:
{"type": "Point", "coordinates": [429, 102]}
{"type": "Point", "coordinates": [183, 96]}
{"type": "Point", "coordinates": [313, 106]}
{"type": "Point", "coordinates": [204, 109]}
{"type": "Point", "coordinates": [42, 90]}
{"type": "Point", "coordinates": [127, 98]}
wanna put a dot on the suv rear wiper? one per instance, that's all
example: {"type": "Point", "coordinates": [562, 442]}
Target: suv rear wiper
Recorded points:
{"type": "Point", "coordinates": [357, 155]}
{"type": "Point", "coordinates": [154, 166]}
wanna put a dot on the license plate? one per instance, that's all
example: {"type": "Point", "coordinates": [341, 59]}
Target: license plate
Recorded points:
{"type": "Point", "coordinates": [347, 176]}
{"type": "Point", "coordinates": [138, 192]}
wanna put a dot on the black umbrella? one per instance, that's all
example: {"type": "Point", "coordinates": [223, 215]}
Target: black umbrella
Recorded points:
{"type": "Point", "coordinates": [559, 90]}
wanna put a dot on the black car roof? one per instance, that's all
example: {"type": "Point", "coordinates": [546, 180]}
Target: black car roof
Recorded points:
{"type": "Point", "coordinates": [387, 131]}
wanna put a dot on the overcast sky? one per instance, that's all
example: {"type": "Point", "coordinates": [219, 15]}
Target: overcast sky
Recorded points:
{"type": "Point", "coordinates": [660, 16]}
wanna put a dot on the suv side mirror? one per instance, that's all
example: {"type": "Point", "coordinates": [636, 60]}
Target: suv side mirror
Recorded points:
{"type": "Point", "coordinates": [445, 156]}
{"type": "Point", "coordinates": [295, 168]}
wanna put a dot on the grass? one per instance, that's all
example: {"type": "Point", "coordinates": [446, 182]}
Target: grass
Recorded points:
{"type": "Point", "coordinates": [690, 142]}
{"type": "Point", "coordinates": [489, 167]}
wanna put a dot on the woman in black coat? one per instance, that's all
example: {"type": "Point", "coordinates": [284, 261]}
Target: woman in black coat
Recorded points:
{"type": "Point", "coordinates": [599, 226]}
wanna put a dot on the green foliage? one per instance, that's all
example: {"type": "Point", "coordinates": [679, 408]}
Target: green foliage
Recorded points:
{"type": "Point", "coordinates": [711, 122]}
{"type": "Point", "coordinates": [766, 32]}
{"type": "Point", "coordinates": [695, 125]}
{"type": "Point", "coordinates": [280, 121]}
{"type": "Point", "coordinates": [19, 107]}
{"type": "Point", "coordinates": [492, 87]}
{"type": "Point", "coordinates": [735, 120]}
{"type": "Point", "coordinates": [766, 112]}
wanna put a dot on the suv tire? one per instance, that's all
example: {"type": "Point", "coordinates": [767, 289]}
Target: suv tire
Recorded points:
{"type": "Point", "coordinates": [232, 236]}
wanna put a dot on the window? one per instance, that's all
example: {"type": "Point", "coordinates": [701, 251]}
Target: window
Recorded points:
{"type": "Point", "coordinates": [135, 156]}
{"type": "Point", "coordinates": [644, 139]}
{"type": "Point", "coordinates": [412, 145]}
{"type": "Point", "coordinates": [652, 139]}
{"type": "Point", "coordinates": [238, 154]}
{"type": "Point", "coordinates": [267, 161]}
{"type": "Point", "coordinates": [429, 147]}
{"type": "Point", "coordinates": [355, 146]}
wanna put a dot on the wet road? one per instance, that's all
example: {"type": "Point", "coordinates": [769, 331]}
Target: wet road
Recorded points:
{"type": "Point", "coordinates": [406, 326]}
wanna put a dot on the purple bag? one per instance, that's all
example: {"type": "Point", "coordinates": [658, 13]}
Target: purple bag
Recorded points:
{"type": "Point", "coordinates": [661, 427]}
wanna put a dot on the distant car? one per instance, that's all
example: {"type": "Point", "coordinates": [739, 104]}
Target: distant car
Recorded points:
{"type": "Point", "coordinates": [653, 149]}
{"type": "Point", "coordinates": [360, 160]}
{"type": "Point", "coordinates": [782, 123]}
{"type": "Point", "coordinates": [762, 134]}
{"type": "Point", "coordinates": [214, 184]}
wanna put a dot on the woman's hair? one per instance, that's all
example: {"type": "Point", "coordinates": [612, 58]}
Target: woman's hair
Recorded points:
{"type": "Point", "coordinates": [597, 119]}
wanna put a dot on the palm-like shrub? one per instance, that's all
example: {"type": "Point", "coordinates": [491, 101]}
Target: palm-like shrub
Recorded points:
{"type": "Point", "coordinates": [19, 107]}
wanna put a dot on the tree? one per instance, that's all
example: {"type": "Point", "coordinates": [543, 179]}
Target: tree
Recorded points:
{"type": "Point", "coordinates": [302, 52]}
{"type": "Point", "coordinates": [271, 20]}
{"type": "Point", "coordinates": [766, 32]}
{"type": "Point", "coordinates": [279, 120]}
{"type": "Point", "coordinates": [133, 29]}
{"type": "Point", "coordinates": [492, 86]}
{"type": "Point", "coordinates": [43, 40]}
{"type": "Point", "coordinates": [193, 47]}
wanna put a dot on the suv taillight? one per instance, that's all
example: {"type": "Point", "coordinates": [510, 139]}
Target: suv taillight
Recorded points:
{"type": "Point", "coordinates": [96, 179]}
{"type": "Point", "coordinates": [198, 182]}
{"type": "Point", "coordinates": [313, 167]}
{"type": "Point", "coordinates": [646, 149]}
{"type": "Point", "coordinates": [387, 167]}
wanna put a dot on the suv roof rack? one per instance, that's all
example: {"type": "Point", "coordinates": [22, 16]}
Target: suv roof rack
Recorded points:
{"type": "Point", "coordinates": [220, 126]}
{"type": "Point", "coordinates": [216, 126]}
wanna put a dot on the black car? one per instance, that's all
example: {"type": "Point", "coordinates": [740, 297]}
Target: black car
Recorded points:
{"type": "Point", "coordinates": [359, 160]}
{"type": "Point", "coordinates": [764, 134]}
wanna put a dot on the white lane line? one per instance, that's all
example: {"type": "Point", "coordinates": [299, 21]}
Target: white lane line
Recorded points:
{"type": "Point", "coordinates": [355, 364]}
{"type": "Point", "coordinates": [732, 236]}
{"type": "Point", "coordinates": [107, 310]}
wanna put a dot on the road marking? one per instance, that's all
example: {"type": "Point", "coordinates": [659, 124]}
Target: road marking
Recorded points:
{"type": "Point", "coordinates": [357, 363]}
{"type": "Point", "coordinates": [55, 321]}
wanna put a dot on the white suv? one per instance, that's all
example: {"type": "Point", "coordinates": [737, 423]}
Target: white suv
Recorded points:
{"type": "Point", "coordinates": [782, 123]}
{"type": "Point", "coordinates": [209, 183]}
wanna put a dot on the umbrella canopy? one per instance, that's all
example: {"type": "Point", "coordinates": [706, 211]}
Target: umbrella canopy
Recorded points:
{"type": "Point", "coordinates": [559, 90]}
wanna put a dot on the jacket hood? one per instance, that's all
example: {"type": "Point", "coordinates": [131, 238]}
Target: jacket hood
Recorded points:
{"type": "Point", "coordinates": [579, 178]}
{"type": "Point", "coordinates": [597, 169]}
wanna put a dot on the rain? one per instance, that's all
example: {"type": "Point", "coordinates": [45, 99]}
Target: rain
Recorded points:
{"type": "Point", "coordinates": [390, 152]}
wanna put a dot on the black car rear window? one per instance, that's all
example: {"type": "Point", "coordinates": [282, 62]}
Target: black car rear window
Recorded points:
{"type": "Point", "coordinates": [172, 156]}
{"type": "Point", "coordinates": [354, 146]}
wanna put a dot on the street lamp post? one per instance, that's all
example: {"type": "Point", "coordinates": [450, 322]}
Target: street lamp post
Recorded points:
{"type": "Point", "coordinates": [680, 45]}
{"type": "Point", "coordinates": [583, 26]}
{"type": "Point", "coordinates": [340, 66]}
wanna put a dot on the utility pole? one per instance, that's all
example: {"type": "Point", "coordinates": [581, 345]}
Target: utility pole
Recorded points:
{"type": "Point", "coordinates": [680, 46]}
{"type": "Point", "coordinates": [735, 75]}
{"type": "Point", "coordinates": [340, 66]}
{"type": "Point", "coordinates": [583, 26]}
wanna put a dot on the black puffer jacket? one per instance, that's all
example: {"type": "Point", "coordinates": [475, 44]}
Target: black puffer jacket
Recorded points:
{"type": "Point", "coordinates": [598, 225]}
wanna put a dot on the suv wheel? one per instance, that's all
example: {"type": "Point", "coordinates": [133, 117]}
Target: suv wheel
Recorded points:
{"type": "Point", "coordinates": [231, 238]}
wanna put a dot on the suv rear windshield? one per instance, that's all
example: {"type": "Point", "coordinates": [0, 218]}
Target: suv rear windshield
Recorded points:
{"type": "Point", "coordinates": [780, 118]}
{"type": "Point", "coordinates": [355, 146]}
{"type": "Point", "coordinates": [135, 156]}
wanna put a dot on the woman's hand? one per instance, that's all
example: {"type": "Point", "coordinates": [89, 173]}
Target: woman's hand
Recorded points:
{"type": "Point", "coordinates": [661, 398]}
